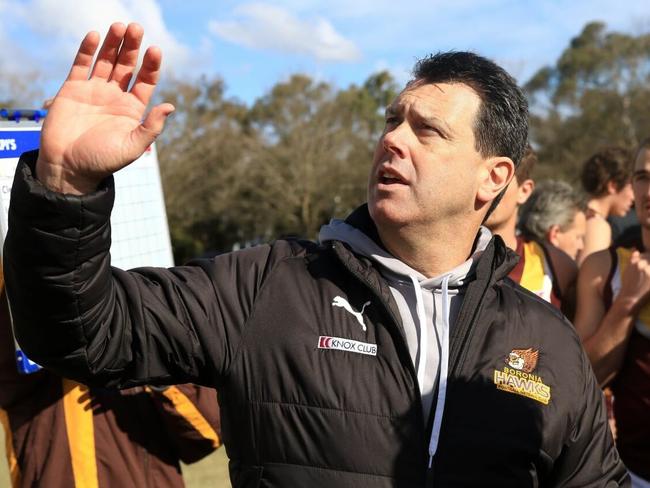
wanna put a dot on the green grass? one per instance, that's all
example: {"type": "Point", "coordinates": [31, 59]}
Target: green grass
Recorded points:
{"type": "Point", "coordinates": [211, 471]}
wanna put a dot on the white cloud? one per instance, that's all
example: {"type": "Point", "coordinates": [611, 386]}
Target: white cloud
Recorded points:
{"type": "Point", "coordinates": [11, 55]}
{"type": "Point", "coordinates": [263, 26]}
{"type": "Point", "coordinates": [61, 24]}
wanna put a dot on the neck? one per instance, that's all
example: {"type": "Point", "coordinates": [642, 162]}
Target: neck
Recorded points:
{"type": "Point", "coordinates": [431, 252]}
{"type": "Point", "coordinates": [600, 206]}
{"type": "Point", "coordinates": [507, 231]}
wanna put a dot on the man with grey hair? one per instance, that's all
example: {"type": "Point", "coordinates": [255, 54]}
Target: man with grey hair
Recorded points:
{"type": "Point", "coordinates": [554, 214]}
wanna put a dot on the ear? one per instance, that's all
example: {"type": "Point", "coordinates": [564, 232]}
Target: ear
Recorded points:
{"type": "Point", "coordinates": [611, 187]}
{"type": "Point", "coordinates": [494, 177]}
{"type": "Point", "coordinates": [551, 235]}
{"type": "Point", "coordinates": [525, 190]}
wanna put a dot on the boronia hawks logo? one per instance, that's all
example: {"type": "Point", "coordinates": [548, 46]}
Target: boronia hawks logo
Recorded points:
{"type": "Point", "coordinates": [523, 359]}
{"type": "Point", "coordinates": [517, 377]}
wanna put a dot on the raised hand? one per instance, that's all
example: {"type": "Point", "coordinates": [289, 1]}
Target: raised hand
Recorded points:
{"type": "Point", "coordinates": [635, 283]}
{"type": "Point", "coordinates": [95, 124]}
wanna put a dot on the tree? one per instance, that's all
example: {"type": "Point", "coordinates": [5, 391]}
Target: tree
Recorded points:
{"type": "Point", "coordinates": [316, 148]}
{"type": "Point", "coordinates": [20, 90]}
{"type": "Point", "coordinates": [201, 152]}
{"type": "Point", "coordinates": [596, 94]}
{"type": "Point", "coordinates": [286, 165]}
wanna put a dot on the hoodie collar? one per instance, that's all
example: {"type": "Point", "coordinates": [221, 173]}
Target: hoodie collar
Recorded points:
{"type": "Point", "coordinates": [360, 233]}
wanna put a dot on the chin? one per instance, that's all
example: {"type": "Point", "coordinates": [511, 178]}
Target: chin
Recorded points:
{"type": "Point", "coordinates": [387, 213]}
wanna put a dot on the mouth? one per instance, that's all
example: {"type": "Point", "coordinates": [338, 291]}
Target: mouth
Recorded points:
{"type": "Point", "coordinates": [388, 176]}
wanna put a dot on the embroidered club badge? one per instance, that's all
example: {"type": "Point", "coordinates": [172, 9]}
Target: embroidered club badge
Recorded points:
{"type": "Point", "coordinates": [517, 376]}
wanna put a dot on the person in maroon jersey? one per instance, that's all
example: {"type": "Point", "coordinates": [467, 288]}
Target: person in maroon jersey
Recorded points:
{"type": "Point", "coordinates": [613, 321]}
{"type": "Point", "coordinates": [542, 268]}
{"type": "Point", "coordinates": [606, 179]}
{"type": "Point", "coordinates": [60, 433]}
{"type": "Point", "coordinates": [503, 220]}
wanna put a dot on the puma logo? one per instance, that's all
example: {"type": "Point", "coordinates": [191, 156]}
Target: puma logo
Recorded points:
{"type": "Point", "coordinates": [343, 303]}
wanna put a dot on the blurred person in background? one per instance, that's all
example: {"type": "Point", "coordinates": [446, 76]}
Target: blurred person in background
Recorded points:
{"type": "Point", "coordinates": [605, 178]}
{"type": "Point", "coordinates": [62, 434]}
{"type": "Point", "coordinates": [613, 321]}
{"type": "Point", "coordinates": [542, 268]}
{"type": "Point", "coordinates": [555, 214]}
{"type": "Point", "coordinates": [503, 220]}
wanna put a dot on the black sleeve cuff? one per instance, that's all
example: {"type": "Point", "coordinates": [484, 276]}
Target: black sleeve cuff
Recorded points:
{"type": "Point", "coordinates": [50, 210]}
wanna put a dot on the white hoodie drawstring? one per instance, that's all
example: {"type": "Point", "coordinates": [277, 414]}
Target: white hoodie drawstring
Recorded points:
{"type": "Point", "coordinates": [444, 368]}
{"type": "Point", "coordinates": [424, 336]}
{"type": "Point", "coordinates": [444, 356]}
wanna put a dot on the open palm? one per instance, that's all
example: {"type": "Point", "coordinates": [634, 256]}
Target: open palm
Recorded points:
{"type": "Point", "coordinates": [95, 124]}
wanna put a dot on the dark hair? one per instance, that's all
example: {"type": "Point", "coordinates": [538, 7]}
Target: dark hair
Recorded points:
{"type": "Point", "coordinates": [609, 164]}
{"type": "Point", "coordinates": [501, 126]}
{"type": "Point", "coordinates": [525, 168]}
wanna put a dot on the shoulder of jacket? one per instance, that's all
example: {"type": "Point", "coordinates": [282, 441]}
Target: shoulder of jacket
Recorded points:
{"type": "Point", "coordinates": [263, 256]}
{"type": "Point", "coordinates": [530, 301]}
{"type": "Point", "coordinates": [545, 319]}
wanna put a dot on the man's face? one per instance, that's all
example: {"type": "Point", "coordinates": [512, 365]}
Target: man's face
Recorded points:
{"type": "Point", "coordinates": [572, 239]}
{"type": "Point", "coordinates": [425, 167]}
{"type": "Point", "coordinates": [622, 201]}
{"type": "Point", "coordinates": [641, 188]}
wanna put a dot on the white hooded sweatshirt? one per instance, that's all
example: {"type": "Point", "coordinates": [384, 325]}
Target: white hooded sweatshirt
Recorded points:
{"type": "Point", "coordinates": [428, 308]}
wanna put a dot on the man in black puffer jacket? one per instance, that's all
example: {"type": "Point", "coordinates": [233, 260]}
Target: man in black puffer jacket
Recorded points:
{"type": "Point", "coordinates": [393, 353]}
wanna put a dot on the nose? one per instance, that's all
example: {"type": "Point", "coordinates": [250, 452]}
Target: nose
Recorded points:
{"type": "Point", "coordinates": [393, 141]}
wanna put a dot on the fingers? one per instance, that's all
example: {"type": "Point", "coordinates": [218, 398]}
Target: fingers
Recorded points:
{"type": "Point", "coordinates": [639, 258]}
{"type": "Point", "coordinates": [128, 56]}
{"type": "Point", "coordinates": [640, 262]}
{"type": "Point", "coordinates": [108, 52]}
{"type": "Point", "coordinates": [84, 58]}
{"type": "Point", "coordinates": [152, 126]}
{"type": "Point", "coordinates": [145, 83]}
{"type": "Point", "coordinates": [117, 59]}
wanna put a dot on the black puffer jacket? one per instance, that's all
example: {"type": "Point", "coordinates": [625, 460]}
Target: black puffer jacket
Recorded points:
{"type": "Point", "coordinates": [297, 411]}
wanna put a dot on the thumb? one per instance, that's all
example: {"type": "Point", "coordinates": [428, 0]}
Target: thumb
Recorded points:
{"type": "Point", "coordinates": [635, 257]}
{"type": "Point", "coordinates": [147, 132]}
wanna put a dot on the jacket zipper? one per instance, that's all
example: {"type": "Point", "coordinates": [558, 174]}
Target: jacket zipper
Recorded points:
{"type": "Point", "coordinates": [391, 316]}
{"type": "Point", "coordinates": [466, 329]}
{"type": "Point", "coordinates": [458, 350]}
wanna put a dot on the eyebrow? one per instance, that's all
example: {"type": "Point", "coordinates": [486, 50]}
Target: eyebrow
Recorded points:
{"type": "Point", "coordinates": [397, 108]}
{"type": "Point", "coordinates": [641, 172]}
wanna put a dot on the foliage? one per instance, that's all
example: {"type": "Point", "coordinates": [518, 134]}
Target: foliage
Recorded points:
{"type": "Point", "coordinates": [20, 90]}
{"type": "Point", "coordinates": [298, 156]}
{"type": "Point", "coordinates": [596, 94]}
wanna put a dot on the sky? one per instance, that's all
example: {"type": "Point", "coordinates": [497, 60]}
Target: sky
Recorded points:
{"type": "Point", "coordinates": [253, 45]}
